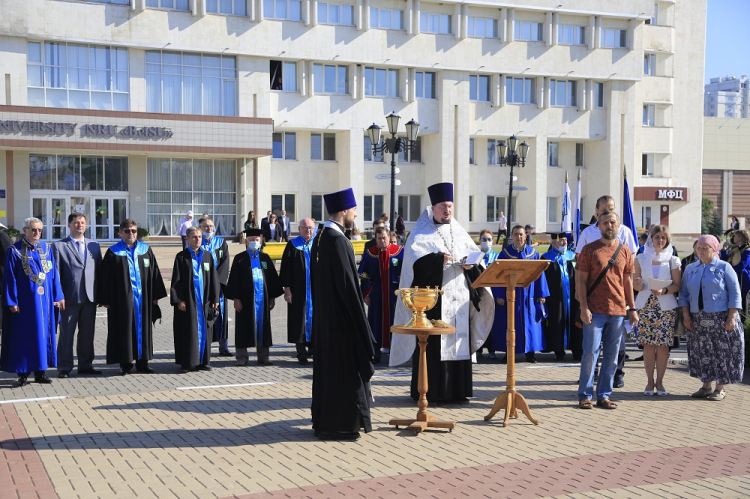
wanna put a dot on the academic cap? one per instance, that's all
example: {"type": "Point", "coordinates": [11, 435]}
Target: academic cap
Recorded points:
{"type": "Point", "coordinates": [439, 193]}
{"type": "Point", "coordinates": [253, 232]}
{"type": "Point", "coordinates": [554, 236]}
{"type": "Point", "coordinates": [340, 200]}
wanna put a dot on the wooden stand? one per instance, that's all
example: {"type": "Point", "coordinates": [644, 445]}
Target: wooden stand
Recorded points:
{"type": "Point", "coordinates": [423, 420]}
{"type": "Point", "coordinates": [511, 274]}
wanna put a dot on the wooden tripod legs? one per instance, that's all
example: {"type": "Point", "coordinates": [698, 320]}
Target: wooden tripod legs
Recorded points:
{"type": "Point", "coordinates": [511, 400]}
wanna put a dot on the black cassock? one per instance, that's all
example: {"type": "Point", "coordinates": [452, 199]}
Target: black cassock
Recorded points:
{"type": "Point", "coordinates": [447, 380]}
{"type": "Point", "coordinates": [115, 289]}
{"type": "Point", "coordinates": [294, 276]}
{"type": "Point", "coordinates": [242, 287]}
{"type": "Point", "coordinates": [342, 341]}
{"type": "Point", "coordinates": [185, 324]}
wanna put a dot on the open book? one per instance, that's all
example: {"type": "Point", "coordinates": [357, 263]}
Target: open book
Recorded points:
{"type": "Point", "coordinates": [473, 258]}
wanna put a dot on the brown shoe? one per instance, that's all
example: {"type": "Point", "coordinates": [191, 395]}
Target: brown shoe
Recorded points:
{"type": "Point", "coordinates": [606, 404]}
{"type": "Point", "coordinates": [585, 404]}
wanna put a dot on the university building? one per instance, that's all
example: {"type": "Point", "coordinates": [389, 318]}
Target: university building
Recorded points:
{"type": "Point", "coordinates": [149, 108]}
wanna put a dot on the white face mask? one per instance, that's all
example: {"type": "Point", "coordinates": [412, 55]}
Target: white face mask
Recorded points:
{"type": "Point", "coordinates": [486, 245]}
{"type": "Point", "coordinates": [561, 249]}
{"type": "Point", "coordinates": [253, 245]}
{"type": "Point", "coordinates": [208, 235]}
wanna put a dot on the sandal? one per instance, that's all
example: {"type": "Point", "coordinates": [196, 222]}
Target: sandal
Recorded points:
{"type": "Point", "coordinates": [585, 404]}
{"type": "Point", "coordinates": [606, 404]}
{"type": "Point", "coordinates": [717, 395]}
{"type": "Point", "coordinates": [702, 393]}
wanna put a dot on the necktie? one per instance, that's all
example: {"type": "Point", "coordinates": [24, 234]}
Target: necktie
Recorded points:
{"type": "Point", "coordinates": [82, 251]}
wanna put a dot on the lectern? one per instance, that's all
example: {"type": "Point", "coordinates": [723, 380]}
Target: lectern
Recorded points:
{"type": "Point", "coordinates": [511, 274]}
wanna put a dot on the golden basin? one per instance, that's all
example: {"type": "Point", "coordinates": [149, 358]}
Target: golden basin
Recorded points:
{"type": "Point", "coordinates": [419, 300]}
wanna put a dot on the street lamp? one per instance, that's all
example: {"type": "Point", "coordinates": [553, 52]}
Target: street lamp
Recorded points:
{"type": "Point", "coordinates": [512, 154]}
{"type": "Point", "coordinates": [394, 145]}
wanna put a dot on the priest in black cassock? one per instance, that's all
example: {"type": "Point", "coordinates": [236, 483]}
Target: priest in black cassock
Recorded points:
{"type": "Point", "coordinates": [130, 286]}
{"type": "Point", "coordinates": [342, 341]}
{"type": "Point", "coordinates": [559, 328]}
{"type": "Point", "coordinates": [195, 298]}
{"type": "Point", "coordinates": [254, 286]}
{"type": "Point", "coordinates": [433, 255]}
{"type": "Point", "coordinates": [295, 278]}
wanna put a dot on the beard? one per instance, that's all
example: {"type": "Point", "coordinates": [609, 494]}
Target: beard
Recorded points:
{"type": "Point", "coordinates": [442, 221]}
{"type": "Point", "coordinates": [609, 236]}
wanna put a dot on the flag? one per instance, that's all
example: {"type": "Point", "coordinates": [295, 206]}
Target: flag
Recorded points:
{"type": "Point", "coordinates": [566, 225]}
{"type": "Point", "coordinates": [627, 209]}
{"type": "Point", "coordinates": [577, 211]}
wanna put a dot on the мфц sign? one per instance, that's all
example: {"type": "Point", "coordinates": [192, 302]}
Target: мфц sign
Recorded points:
{"type": "Point", "coordinates": [88, 130]}
{"type": "Point", "coordinates": [675, 194]}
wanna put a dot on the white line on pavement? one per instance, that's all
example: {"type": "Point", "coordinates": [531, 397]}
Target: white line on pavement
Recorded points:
{"type": "Point", "coordinates": [224, 386]}
{"type": "Point", "coordinates": [19, 401]}
{"type": "Point", "coordinates": [553, 365]}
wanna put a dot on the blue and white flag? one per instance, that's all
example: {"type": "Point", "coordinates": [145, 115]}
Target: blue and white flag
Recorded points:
{"type": "Point", "coordinates": [577, 211]}
{"type": "Point", "coordinates": [567, 214]}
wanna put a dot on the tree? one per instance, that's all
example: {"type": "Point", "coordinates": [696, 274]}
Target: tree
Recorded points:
{"type": "Point", "coordinates": [707, 213]}
{"type": "Point", "coordinates": [714, 225]}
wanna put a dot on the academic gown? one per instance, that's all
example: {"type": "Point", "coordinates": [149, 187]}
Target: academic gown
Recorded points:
{"type": "Point", "coordinates": [557, 326]}
{"type": "Point", "coordinates": [219, 250]}
{"type": "Point", "coordinates": [742, 269]}
{"type": "Point", "coordinates": [129, 316]}
{"type": "Point", "coordinates": [488, 258]}
{"type": "Point", "coordinates": [342, 341]}
{"type": "Point", "coordinates": [28, 337]}
{"type": "Point", "coordinates": [295, 275]}
{"type": "Point", "coordinates": [529, 313]}
{"type": "Point", "coordinates": [380, 273]}
{"type": "Point", "coordinates": [192, 341]}
{"type": "Point", "coordinates": [242, 286]}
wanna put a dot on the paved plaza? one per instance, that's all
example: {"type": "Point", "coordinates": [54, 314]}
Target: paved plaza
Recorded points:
{"type": "Point", "coordinates": [246, 432]}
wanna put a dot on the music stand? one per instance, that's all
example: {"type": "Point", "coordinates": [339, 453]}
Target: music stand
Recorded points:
{"type": "Point", "coordinates": [511, 274]}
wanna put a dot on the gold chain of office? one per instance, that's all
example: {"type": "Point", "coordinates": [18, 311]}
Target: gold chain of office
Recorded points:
{"type": "Point", "coordinates": [39, 278]}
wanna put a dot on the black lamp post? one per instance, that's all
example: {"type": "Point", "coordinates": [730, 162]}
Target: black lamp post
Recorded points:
{"type": "Point", "coordinates": [394, 145]}
{"type": "Point", "coordinates": [510, 157]}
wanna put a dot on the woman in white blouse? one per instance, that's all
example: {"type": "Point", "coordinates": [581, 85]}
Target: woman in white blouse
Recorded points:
{"type": "Point", "coordinates": [657, 279]}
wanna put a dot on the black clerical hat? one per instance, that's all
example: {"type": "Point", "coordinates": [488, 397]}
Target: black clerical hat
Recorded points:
{"type": "Point", "coordinates": [554, 236]}
{"type": "Point", "coordinates": [253, 232]}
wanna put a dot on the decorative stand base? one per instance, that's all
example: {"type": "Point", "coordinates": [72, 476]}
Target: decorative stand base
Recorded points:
{"type": "Point", "coordinates": [420, 426]}
{"type": "Point", "coordinates": [511, 400]}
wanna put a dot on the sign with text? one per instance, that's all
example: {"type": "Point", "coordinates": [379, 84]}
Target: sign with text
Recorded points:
{"type": "Point", "coordinates": [660, 194]}
{"type": "Point", "coordinates": [85, 130]}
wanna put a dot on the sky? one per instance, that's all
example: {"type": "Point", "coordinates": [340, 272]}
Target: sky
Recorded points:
{"type": "Point", "coordinates": [726, 30]}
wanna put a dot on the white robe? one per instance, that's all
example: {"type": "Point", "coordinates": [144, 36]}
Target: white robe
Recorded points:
{"type": "Point", "coordinates": [472, 327]}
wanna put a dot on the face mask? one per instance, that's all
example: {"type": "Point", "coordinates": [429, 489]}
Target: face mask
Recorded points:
{"type": "Point", "coordinates": [561, 249]}
{"type": "Point", "coordinates": [253, 245]}
{"type": "Point", "coordinates": [486, 245]}
{"type": "Point", "coordinates": [208, 235]}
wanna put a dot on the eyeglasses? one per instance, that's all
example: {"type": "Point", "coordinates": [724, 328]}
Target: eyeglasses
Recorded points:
{"type": "Point", "coordinates": [35, 231]}
{"type": "Point", "coordinates": [129, 231]}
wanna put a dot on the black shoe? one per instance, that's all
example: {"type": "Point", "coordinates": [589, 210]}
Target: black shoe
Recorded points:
{"type": "Point", "coordinates": [144, 370]}
{"type": "Point", "coordinates": [637, 359]}
{"type": "Point", "coordinates": [225, 353]}
{"type": "Point", "coordinates": [42, 378]}
{"type": "Point", "coordinates": [504, 360]}
{"type": "Point", "coordinates": [89, 370]}
{"type": "Point", "coordinates": [531, 358]}
{"type": "Point", "coordinates": [619, 382]}
{"type": "Point", "coordinates": [204, 367]}
{"type": "Point", "coordinates": [560, 356]}
{"type": "Point", "coordinates": [303, 361]}
{"type": "Point", "coordinates": [265, 362]}
{"type": "Point", "coordinates": [376, 360]}
{"type": "Point", "coordinates": [22, 380]}
{"type": "Point", "coordinates": [336, 435]}
{"type": "Point", "coordinates": [185, 369]}
{"type": "Point", "coordinates": [63, 374]}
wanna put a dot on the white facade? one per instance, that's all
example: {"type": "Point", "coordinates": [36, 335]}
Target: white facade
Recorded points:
{"type": "Point", "coordinates": [599, 87]}
{"type": "Point", "coordinates": [727, 96]}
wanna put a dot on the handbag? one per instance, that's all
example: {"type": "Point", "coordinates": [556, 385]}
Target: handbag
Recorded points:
{"type": "Point", "coordinates": [679, 326]}
{"type": "Point", "coordinates": [579, 321]}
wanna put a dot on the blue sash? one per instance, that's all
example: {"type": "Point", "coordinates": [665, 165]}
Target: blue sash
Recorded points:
{"type": "Point", "coordinates": [198, 291]}
{"type": "Point", "coordinates": [121, 249]}
{"type": "Point", "coordinates": [300, 244]}
{"type": "Point", "coordinates": [259, 293]}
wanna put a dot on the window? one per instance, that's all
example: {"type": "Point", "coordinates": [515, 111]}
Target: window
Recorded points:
{"type": "Point", "coordinates": [286, 202]}
{"type": "Point", "coordinates": [331, 79]}
{"type": "Point", "coordinates": [331, 13]}
{"type": "Point", "coordinates": [77, 76]}
{"type": "Point", "coordinates": [472, 160]}
{"type": "Point", "coordinates": [553, 210]}
{"type": "Point", "coordinates": [118, 2]}
{"type": "Point", "coordinates": [655, 18]}
{"type": "Point", "coordinates": [381, 82]}
{"type": "Point", "coordinates": [435, 23]}
{"type": "Point", "coordinates": [493, 152]}
{"type": "Point", "coordinates": [316, 207]}
{"type": "Point", "coordinates": [169, 4]}
{"type": "Point", "coordinates": [647, 165]}
{"type": "Point", "coordinates": [471, 208]}
{"type": "Point", "coordinates": [598, 94]}
{"type": "Point", "coordinates": [187, 83]}
{"type": "Point", "coordinates": [78, 173]}
{"type": "Point", "coordinates": [649, 64]}
{"type": "Point", "coordinates": [496, 204]}
{"type": "Point", "coordinates": [482, 27]}
{"type": "Point", "coordinates": [571, 35]}
{"type": "Point", "coordinates": [562, 93]}
{"type": "Point", "coordinates": [580, 157]}
{"type": "Point", "coordinates": [414, 156]}
{"type": "Point", "coordinates": [323, 146]}
{"type": "Point", "coordinates": [646, 216]}
{"type": "Point", "coordinates": [373, 206]}
{"type": "Point", "coordinates": [234, 7]}
{"type": "Point", "coordinates": [520, 90]}
{"type": "Point", "coordinates": [528, 31]}
{"type": "Point", "coordinates": [386, 19]}
{"type": "Point", "coordinates": [283, 76]}
{"type": "Point", "coordinates": [614, 38]}
{"type": "Point", "coordinates": [369, 157]}
{"type": "Point", "coordinates": [479, 88]}
{"type": "Point", "coordinates": [284, 145]}
{"type": "Point", "coordinates": [424, 84]}
{"type": "Point", "coordinates": [552, 154]}
{"type": "Point", "coordinates": [175, 186]}
{"type": "Point", "coordinates": [283, 9]}
{"type": "Point", "coordinates": [649, 110]}
{"type": "Point", "coordinates": [410, 207]}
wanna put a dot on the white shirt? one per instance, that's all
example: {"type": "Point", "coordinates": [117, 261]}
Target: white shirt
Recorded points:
{"type": "Point", "coordinates": [503, 221]}
{"type": "Point", "coordinates": [592, 233]}
{"type": "Point", "coordinates": [185, 224]}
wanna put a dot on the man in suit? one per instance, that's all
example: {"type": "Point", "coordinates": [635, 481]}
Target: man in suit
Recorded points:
{"type": "Point", "coordinates": [286, 229]}
{"type": "Point", "coordinates": [78, 260]}
{"type": "Point", "coordinates": [264, 220]}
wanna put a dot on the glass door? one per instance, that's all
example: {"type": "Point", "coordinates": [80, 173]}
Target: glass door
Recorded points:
{"type": "Point", "coordinates": [58, 219]}
{"type": "Point", "coordinates": [102, 229]}
{"type": "Point", "coordinates": [82, 204]}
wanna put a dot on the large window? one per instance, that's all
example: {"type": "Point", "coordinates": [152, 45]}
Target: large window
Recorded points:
{"type": "Point", "coordinates": [234, 7]}
{"type": "Point", "coordinates": [528, 31]}
{"type": "Point", "coordinates": [284, 145]}
{"type": "Point", "coordinates": [331, 79]}
{"type": "Point", "coordinates": [78, 173]}
{"type": "Point", "coordinates": [187, 83]}
{"type": "Point", "coordinates": [286, 202]}
{"type": "Point", "coordinates": [553, 149]}
{"type": "Point", "coordinates": [482, 27]}
{"type": "Point", "coordinates": [410, 207]}
{"type": "Point", "coordinates": [323, 146]}
{"type": "Point", "coordinates": [493, 152]}
{"type": "Point", "coordinates": [435, 23]}
{"type": "Point", "coordinates": [571, 35]}
{"type": "Point", "coordinates": [562, 93]}
{"type": "Point", "coordinates": [369, 156]}
{"type": "Point", "coordinates": [646, 216]}
{"type": "Point", "coordinates": [647, 165]}
{"type": "Point", "coordinates": [598, 94]}
{"type": "Point", "coordinates": [649, 64]}
{"type": "Point", "coordinates": [614, 38]}
{"type": "Point", "coordinates": [424, 83]}
{"type": "Point", "coordinates": [373, 206]}
{"type": "Point", "coordinates": [169, 4]}
{"type": "Point", "coordinates": [381, 82]}
{"type": "Point", "coordinates": [554, 206]}
{"type": "Point", "coordinates": [77, 76]}
{"type": "Point", "coordinates": [520, 90]}
{"type": "Point", "coordinates": [496, 204]}
{"type": "Point", "coordinates": [331, 13]}
{"type": "Point", "coordinates": [283, 76]}
{"type": "Point", "coordinates": [386, 19]}
{"type": "Point", "coordinates": [479, 88]}
{"type": "Point", "coordinates": [414, 156]}
{"type": "Point", "coordinates": [649, 114]}
{"type": "Point", "coordinates": [175, 186]}
{"type": "Point", "coordinates": [580, 155]}
{"type": "Point", "coordinates": [316, 207]}
{"type": "Point", "coordinates": [283, 9]}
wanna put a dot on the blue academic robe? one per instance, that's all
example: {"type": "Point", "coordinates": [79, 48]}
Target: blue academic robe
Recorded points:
{"type": "Point", "coordinates": [380, 274]}
{"type": "Point", "coordinates": [742, 269]}
{"type": "Point", "coordinates": [490, 257]}
{"type": "Point", "coordinates": [529, 313]}
{"type": "Point", "coordinates": [557, 325]}
{"type": "Point", "coordinates": [28, 338]}
{"type": "Point", "coordinates": [217, 247]}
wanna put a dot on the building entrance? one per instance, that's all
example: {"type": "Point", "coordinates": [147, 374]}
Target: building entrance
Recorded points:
{"type": "Point", "coordinates": [104, 212]}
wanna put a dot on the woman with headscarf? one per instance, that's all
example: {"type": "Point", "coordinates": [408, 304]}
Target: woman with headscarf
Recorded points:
{"type": "Point", "coordinates": [656, 304]}
{"type": "Point", "coordinates": [710, 302]}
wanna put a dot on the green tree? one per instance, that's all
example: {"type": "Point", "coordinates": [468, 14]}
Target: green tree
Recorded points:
{"type": "Point", "coordinates": [707, 211]}
{"type": "Point", "coordinates": [714, 224]}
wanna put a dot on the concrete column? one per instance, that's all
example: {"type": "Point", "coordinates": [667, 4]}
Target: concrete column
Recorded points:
{"type": "Point", "coordinates": [555, 29]}
{"type": "Point", "coordinates": [548, 29]}
{"type": "Point", "coordinates": [511, 29]}
{"type": "Point", "coordinates": [351, 167]}
{"type": "Point", "coordinates": [534, 176]}
{"type": "Point", "coordinates": [502, 27]}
